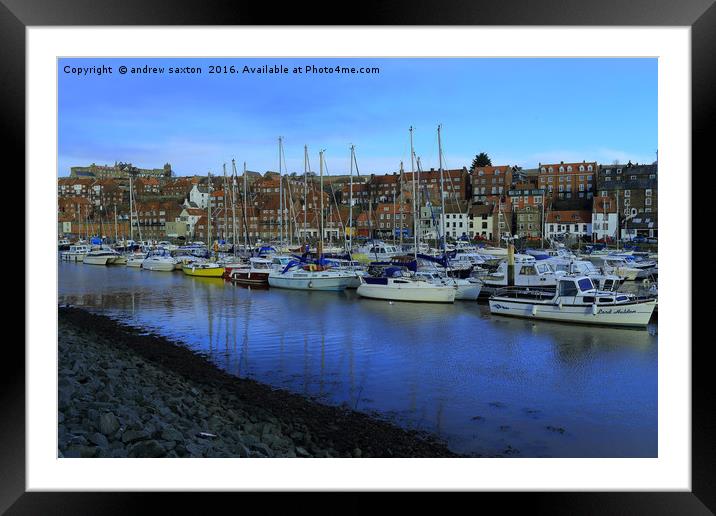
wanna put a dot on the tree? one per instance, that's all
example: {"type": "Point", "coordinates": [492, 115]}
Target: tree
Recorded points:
{"type": "Point", "coordinates": [481, 160]}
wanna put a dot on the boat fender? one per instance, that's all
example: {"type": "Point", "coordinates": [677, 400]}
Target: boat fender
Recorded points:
{"type": "Point", "coordinates": [594, 308]}
{"type": "Point", "coordinates": [534, 310]}
{"type": "Point", "coordinates": [560, 305]}
{"type": "Point", "coordinates": [310, 284]}
{"type": "Point", "coordinates": [647, 282]}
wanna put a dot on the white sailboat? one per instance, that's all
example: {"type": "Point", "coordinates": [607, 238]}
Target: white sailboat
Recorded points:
{"type": "Point", "coordinates": [298, 276]}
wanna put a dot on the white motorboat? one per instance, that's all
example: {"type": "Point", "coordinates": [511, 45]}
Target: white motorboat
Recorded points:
{"type": "Point", "coordinates": [616, 265]}
{"type": "Point", "coordinates": [376, 251]}
{"type": "Point", "coordinates": [466, 289]}
{"type": "Point", "coordinates": [575, 300]}
{"type": "Point", "coordinates": [584, 267]}
{"type": "Point", "coordinates": [405, 289]}
{"type": "Point", "coordinates": [76, 253]}
{"type": "Point", "coordinates": [101, 257]}
{"type": "Point", "coordinates": [310, 277]}
{"type": "Point", "coordinates": [528, 273]}
{"type": "Point", "coordinates": [159, 262]}
{"type": "Point", "coordinates": [135, 259]}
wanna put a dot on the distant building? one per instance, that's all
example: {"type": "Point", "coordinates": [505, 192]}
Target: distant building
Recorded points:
{"type": "Point", "coordinates": [119, 171]}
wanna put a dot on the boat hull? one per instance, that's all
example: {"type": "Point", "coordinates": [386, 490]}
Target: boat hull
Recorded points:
{"type": "Point", "coordinates": [213, 272]}
{"type": "Point", "coordinates": [310, 281]}
{"type": "Point", "coordinates": [628, 314]}
{"type": "Point", "coordinates": [249, 277]}
{"type": "Point", "coordinates": [433, 294]}
{"type": "Point", "coordinates": [134, 263]}
{"type": "Point", "coordinates": [98, 260]}
{"type": "Point", "coordinates": [158, 266]}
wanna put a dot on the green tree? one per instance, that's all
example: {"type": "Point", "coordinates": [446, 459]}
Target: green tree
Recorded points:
{"type": "Point", "coordinates": [481, 160]}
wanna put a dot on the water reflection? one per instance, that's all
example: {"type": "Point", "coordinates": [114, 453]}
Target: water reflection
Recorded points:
{"type": "Point", "coordinates": [486, 384]}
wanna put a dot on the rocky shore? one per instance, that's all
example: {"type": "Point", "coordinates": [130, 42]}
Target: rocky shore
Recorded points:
{"type": "Point", "coordinates": [125, 393]}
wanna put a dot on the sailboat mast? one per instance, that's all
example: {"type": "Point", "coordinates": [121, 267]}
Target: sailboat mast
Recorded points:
{"type": "Point", "coordinates": [280, 193]}
{"type": "Point", "coordinates": [349, 236]}
{"type": "Point", "coordinates": [131, 210]}
{"type": "Point", "coordinates": [233, 204]}
{"type": "Point", "coordinates": [246, 211]}
{"type": "Point", "coordinates": [320, 251]}
{"type": "Point", "coordinates": [208, 212]}
{"type": "Point", "coordinates": [116, 236]}
{"type": "Point", "coordinates": [442, 193]}
{"type": "Point", "coordinates": [415, 216]}
{"type": "Point", "coordinates": [401, 205]}
{"type": "Point", "coordinates": [305, 194]}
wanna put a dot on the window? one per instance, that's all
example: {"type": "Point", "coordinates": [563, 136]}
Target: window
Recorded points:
{"type": "Point", "coordinates": [607, 179]}
{"type": "Point", "coordinates": [647, 192]}
{"type": "Point", "coordinates": [568, 288]}
{"type": "Point", "coordinates": [627, 193]}
{"type": "Point", "coordinates": [647, 201]}
{"type": "Point", "coordinates": [589, 169]}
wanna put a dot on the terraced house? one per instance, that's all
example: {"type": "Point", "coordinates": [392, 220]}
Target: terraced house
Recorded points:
{"type": "Point", "coordinates": [568, 181]}
{"type": "Point", "coordinates": [634, 189]}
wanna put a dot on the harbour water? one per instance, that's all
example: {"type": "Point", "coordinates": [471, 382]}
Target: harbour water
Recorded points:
{"type": "Point", "coordinates": [487, 385]}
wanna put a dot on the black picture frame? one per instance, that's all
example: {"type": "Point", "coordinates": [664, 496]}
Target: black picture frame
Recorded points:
{"type": "Point", "coordinates": [700, 15]}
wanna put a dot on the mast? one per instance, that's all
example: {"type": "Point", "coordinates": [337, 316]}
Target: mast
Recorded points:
{"type": "Point", "coordinates": [131, 210]}
{"type": "Point", "coordinates": [233, 204]}
{"type": "Point", "coordinates": [401, 205]}
{"type": "Point", "coordinates": [415, 217]}
{"type": "Point", "coordinates": [116, 236]}
{"type": "Point", "coordinates": [280, 193]}
{"type": "Point", "coordinates": [208, 212]}
{"type": "Point", "coordinates": [226, 190]}
{"type": "Point", "coordinates": [305, 194]}
{"type": "Point", "coordinates": [320, 250]}
{"type": "Point", "coordinates": [246, 211]}
{"type": "Point", "coordinates": [349, 236]}
{"type": "Point", "coordinates": [442, 194]}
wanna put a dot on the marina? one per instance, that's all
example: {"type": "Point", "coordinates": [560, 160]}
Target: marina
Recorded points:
{"type": "Point", "coordinates": [486, 384]}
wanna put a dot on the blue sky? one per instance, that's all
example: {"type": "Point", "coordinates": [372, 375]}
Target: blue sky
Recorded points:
{"type": "Point", "coordinates": [519, 111]}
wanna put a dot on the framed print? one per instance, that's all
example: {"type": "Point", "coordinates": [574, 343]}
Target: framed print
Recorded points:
{"type": "Point", "coordinates": [414, 253]}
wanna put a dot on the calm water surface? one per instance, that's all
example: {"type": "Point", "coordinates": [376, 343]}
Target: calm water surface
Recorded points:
{"type": "Point", "coordinates": [486, 384]}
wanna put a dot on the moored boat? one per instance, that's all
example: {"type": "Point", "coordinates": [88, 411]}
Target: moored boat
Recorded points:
{"type": "Point", "coordinates": [159, 262]}
{"type": "Point", "coordinates": [575, 300]}
{"type": "Point", "coordinates": [405, 289]}
{"type": "Point", "coordinates": [205, 270]}
{"type": "Point", "coordinates": [255, 273]}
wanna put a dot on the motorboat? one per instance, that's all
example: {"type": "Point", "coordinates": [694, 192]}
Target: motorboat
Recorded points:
{"type": "Point", "coordinates": [575, 300]}
{"type": "Point", "coordinates": [610, 282]}
{"type": "Point", "coordinates": [256, 272]}
{"type": "Point", "coordinates": [528, 273]}
{"type": "Point", "coordinates": [63, 244]}
{"type": "Point", "coordinates": [159, 262]}
{"type": "Point", "coordinates": [466, 289]}
{"type": "Point", "coordinates": [405, 288]}
{"type": "Point", "coordinates": [610, 264]}
{"type": "Point", "coordinates": [103, 256]}
{"type": "Point", "coordinates": [204, 270]}
{"type": "Point", "coordinates": [76, 253]}
{"type": "Point", "coordinates": [135, 259]}
{"type": "Point", "coordinates": [376, 250]}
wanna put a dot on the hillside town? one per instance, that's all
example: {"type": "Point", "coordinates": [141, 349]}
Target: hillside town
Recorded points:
{"type": "Point", "coordinates": [577, 201]}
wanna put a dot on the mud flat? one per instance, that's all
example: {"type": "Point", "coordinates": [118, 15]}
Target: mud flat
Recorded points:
{"type": "Point", "coordinates": [125, 393]}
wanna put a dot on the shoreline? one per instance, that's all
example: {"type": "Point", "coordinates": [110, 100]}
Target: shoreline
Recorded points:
{"type": "Point", "coordinates": [126, 393]}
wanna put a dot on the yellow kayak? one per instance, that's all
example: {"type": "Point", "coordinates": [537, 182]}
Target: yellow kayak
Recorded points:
{"type": "Point", "coordinates": [205, 270]}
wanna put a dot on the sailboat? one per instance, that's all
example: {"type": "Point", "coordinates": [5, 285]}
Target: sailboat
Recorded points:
{"type": "Point", "coordinates": [300, 275]}
{"type": "Point", "coordinates": [394, 284]}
